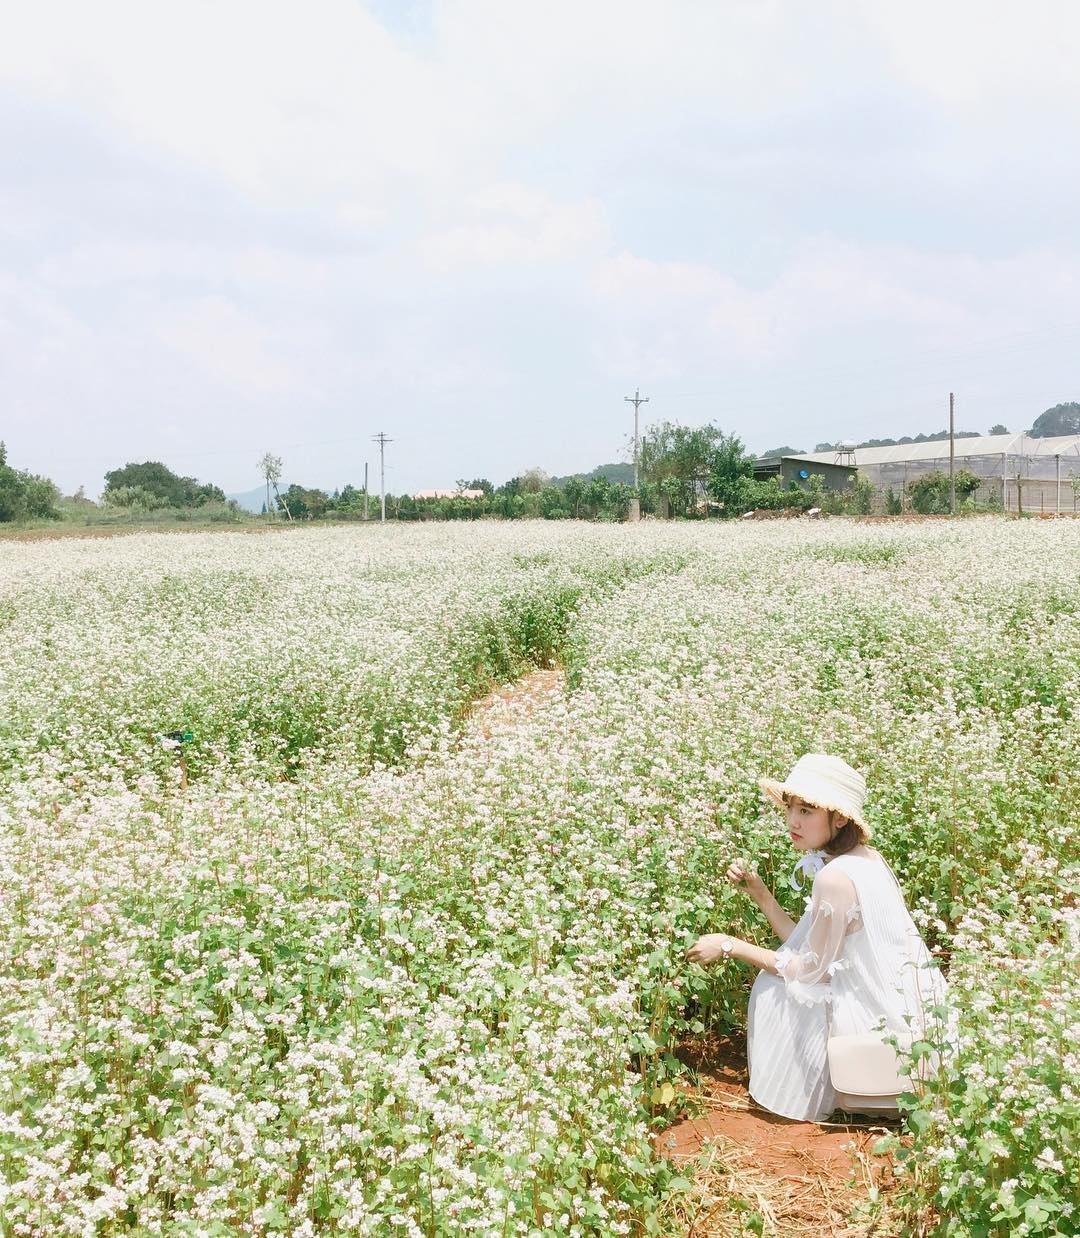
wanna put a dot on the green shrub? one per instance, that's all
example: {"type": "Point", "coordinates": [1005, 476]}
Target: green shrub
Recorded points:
{"type": "Point", "coordinates": [930, 493]}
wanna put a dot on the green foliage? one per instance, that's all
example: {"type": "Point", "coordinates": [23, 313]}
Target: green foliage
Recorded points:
{"type": "Point", "coordinates": [993, 1126]}
{"type": "Point", "coordinates": [349, 501]}
{"type": "Point", "coordinates": [166, 487]}
{"type": "Point", "coordinates": [1061, 419]}
{"type": "Point", "coordinates": [894, 504]}
{"type": "Point", "coordinates": [24, 496]}
{"type": "Point", "coordinates": [858, 552]}
{"type": "Point", "coordinates": [862, 495]}
{"type": "Point", "coordinates": [294, 987]}
{"type": "Point", "coordinates": [478, 483]}
{"type": "Point", "coordinates": [681, 461]}
{"type": "Point", "coordinates": [730, 466]}
{"type": "Point", "coordinates": [303, 503]}
{"type": "Point", "coordinates": [930, 493]}
{"type": "Point", "coordinates": [147, 511]}
{"type": "Point", "coordinates": [748, 494]}
{"type": "Point", "coordinates": [134, 497]}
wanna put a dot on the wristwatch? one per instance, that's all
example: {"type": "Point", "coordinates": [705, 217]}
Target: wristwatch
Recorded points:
{"type": "Point", "coordinates": [727, 944]}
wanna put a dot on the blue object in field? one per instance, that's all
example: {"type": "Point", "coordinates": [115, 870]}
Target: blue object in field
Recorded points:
{"type": "Point", "coordinates": [804, 473]}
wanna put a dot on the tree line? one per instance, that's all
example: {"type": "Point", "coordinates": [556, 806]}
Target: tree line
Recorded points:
{"type": "Point", "coordinates": [683, 471]}
{"type": "Point", "coordinates": [1061, 420]}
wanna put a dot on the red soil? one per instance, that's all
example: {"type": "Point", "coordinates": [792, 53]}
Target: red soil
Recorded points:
{"type": "Point", "coordinates": [775, 1145]}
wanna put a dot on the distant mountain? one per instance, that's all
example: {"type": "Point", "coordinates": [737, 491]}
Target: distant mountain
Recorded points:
{"type": "Point", "coordinates": [253, 500]}
{"type": "Point", "coordinates": [613, 472]}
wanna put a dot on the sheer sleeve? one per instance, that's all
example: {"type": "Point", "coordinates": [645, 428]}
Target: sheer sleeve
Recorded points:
{"type": "Point", "coordinates": [834, 912]}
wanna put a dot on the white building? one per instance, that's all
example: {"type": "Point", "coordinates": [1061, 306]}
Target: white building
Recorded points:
{"type": "Point", "coordinates": [1046, 467]}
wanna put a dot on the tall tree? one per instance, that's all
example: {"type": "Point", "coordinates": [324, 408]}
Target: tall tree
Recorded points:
{"type": "Point", "coordinates": [155, 479]}
{"type": "Point", "coordinates": [25, 496]}
{"type": "Point", "coordinates": [1061, 419]}
{"type": "Point", "coordinates": [270, 468]}
{"type": "Point", "coordinates": [574, 490]}
{"type": "Point", "coordinates": [300, 502]}
{"type": "Point", "coordinates": [679, 460]}
{"type": "Point", "coordinates": [730, 466]}
{"type": "Point", "coordinates": [534, 480]}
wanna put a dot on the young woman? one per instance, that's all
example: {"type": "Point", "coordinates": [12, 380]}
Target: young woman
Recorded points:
{"type": "Point", "coordinates": [852, 964]}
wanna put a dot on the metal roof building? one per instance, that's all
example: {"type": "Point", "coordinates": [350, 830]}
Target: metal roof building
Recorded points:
{"type": "Point", "coordinates": [1046, 467]}
{"type": "Point", "coordinates": [796, 470]}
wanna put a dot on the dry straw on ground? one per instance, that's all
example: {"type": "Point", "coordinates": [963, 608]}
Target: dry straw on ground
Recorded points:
{"type": "Point", "coordinates": [754, 1172]}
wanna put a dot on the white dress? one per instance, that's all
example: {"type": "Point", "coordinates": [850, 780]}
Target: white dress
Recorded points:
{"type": "Point", "coordinates": [853, 962]}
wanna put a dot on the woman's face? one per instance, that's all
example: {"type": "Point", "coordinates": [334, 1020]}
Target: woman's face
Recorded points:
{"type": "Point", "coordinates": [808, 825]}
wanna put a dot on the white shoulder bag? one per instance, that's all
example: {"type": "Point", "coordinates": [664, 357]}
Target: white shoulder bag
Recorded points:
{"type": "Point", "coordinates": [865, 1068]}
{"type": "Point", "coordinates": [865, 1071]}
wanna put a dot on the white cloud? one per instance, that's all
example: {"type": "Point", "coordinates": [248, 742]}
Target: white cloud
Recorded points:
{"type": "Point", "coordinates": [510, 224]}
{"type": "Point", "coordinates": [670, 321]}
{"type": "Point", "coordinates": [983, 53]}
{"type": "Point", "coordinates": [232, 214]}
{"type": "Point", "coordinates": [322, 105]}
{"type": "Point", "coordinates": [100, 264]}
{"type": "Point", "coordinates": [281, 101]}
{"type": "Point", "coordinates": [227, 345]}
{"type": "Point", "coordinates": [664, 318]}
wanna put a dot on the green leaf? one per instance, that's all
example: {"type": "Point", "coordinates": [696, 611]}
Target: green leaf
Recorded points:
{"type": "Point", "coordinates": [663, 1095]}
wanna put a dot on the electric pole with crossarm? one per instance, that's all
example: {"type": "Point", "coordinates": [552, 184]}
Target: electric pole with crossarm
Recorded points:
{"type": "Point", "coordinates": [636, 399]}
{"type": "Point", "coordinates": [382, 440]}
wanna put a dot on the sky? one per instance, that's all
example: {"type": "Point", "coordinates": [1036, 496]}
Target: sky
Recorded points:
{"type": "Point", "coordinates": [229, 227]}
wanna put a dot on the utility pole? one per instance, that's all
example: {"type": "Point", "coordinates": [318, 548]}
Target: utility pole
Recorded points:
{"type": "Point", "coordinates": [365, 490]}
{"type": "Point", "coordinates": [952, 459]}
{"type": "Point", "coordinates": [636, 399]}
{"type": "Point", "coordinates": [382, 440]}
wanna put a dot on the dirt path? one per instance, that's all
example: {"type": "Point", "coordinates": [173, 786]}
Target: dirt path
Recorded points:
{"type": "Point", "coordinates": [756, 1172]}
{"type": "Point", "coordinates": [505, 709]}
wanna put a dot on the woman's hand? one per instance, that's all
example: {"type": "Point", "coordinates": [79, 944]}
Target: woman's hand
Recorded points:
{"type": "Point", "coordinates": [742, 874]}
{"type": "Point", "coordinates": [711, 947]}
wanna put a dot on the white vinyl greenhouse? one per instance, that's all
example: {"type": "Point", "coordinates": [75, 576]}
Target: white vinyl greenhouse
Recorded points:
{"type": "Point", "coordinates": [1037, 474]}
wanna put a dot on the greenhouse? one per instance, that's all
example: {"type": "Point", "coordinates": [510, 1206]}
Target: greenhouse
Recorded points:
{"type": "Point", "coordinates": [1017, 470]}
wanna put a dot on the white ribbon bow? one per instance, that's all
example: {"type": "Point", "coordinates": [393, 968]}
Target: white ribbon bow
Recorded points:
{"type": "Point", "coordinates": [811, 864]}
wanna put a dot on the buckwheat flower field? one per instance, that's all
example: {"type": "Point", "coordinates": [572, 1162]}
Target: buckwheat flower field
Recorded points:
{"type": "Point", "coordinates": [340, 960]}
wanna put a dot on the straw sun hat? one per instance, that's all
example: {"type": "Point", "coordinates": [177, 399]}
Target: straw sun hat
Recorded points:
{"type": "Point", "coordinates": [826, 782]}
